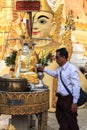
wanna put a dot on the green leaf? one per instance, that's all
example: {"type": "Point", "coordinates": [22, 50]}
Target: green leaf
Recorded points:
{"type": "Point", "coordinates": [10, 60]}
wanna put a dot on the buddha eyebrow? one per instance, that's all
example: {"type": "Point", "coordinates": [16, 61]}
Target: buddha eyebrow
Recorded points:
{"type": "Point", "coordinates": [43, 16]}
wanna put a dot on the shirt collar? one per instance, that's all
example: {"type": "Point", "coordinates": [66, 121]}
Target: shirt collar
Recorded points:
{"type": "Point", "coordinates": [65, 65]}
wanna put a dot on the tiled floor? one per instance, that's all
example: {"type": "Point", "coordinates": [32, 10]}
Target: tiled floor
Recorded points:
{"type": "Point", "coordinates": [82, 120]}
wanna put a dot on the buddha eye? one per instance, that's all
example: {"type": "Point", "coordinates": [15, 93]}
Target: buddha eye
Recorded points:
{"type": "Point", "coordinates": [42, 21]}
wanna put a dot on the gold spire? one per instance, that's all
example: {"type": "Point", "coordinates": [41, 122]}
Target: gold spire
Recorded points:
{"type": "Point", "coordinates": [45, 7]}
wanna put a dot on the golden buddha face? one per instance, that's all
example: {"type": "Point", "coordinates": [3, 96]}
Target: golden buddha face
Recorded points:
{"type": "Point", "coordinates": [42, 24]}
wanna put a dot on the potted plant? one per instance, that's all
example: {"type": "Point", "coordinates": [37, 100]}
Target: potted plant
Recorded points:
{"type": "Point", "coordinates": [10, 61]}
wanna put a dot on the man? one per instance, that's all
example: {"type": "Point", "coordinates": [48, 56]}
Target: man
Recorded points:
{"type": "Point", "coordinates": [66, 107]}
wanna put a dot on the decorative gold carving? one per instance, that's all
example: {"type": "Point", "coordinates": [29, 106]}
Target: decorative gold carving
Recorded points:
{"type": "Point", "coordinates": [65, 41]}
{"type": "Point", "coordinates": [58, 20]}
{"type": "Point", "coordinates": [16, 103]}
{"type": "Point", "coordinates": [70, 24]}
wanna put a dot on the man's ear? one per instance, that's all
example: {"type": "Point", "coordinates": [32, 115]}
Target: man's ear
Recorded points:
{"type": "Point", "coordinates": [53, 28]}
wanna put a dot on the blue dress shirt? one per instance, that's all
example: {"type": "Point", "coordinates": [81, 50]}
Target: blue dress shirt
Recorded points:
{"type": "Point", "coordinates": [70, 77]}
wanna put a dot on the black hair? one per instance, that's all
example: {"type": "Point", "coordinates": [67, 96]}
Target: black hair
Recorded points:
{"type": "Point", "coordinates": [63, 52]}
{"type": "Point", "coordinates": [25, 44]}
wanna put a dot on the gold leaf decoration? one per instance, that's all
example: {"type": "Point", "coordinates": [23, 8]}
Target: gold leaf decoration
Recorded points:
{"type": "Point", "coordinates": [58, 20]}
{"type": "Point", "coordinates": [66, 42]}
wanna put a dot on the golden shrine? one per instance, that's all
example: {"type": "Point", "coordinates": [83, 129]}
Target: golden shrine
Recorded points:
{"type": "Point", "coordinates": [24, 104]}
{"type": "Point", "coordinates": [34, 27]}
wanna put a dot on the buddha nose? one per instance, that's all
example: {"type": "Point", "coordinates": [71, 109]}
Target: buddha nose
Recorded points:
{"type": "Point", "coordinates": [35, 25]}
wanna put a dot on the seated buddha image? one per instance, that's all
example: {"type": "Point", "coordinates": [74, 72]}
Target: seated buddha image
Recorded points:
{"type": "Point", "coordinates": [25, 64]}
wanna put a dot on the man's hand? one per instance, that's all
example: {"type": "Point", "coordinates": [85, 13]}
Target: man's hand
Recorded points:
{"type": "Point", "coordinates": [40, 68]}
{"type": "Point", "coordinates": [74, 107]}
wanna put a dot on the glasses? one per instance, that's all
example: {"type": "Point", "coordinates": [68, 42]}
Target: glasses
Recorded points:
{"type": "Point", "coordinates": [57, 57]}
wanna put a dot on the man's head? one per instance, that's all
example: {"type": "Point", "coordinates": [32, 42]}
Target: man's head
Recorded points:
{"type": "Point", "coordinates": [61, 56]}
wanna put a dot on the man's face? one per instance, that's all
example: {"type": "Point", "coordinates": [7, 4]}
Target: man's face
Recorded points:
{"type": "Point", "coordinates": [42, 22]}
{"type": "Point", "coordinates": [59, 59]}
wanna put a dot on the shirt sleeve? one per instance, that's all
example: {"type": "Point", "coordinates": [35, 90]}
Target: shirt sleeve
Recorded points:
{"type": "Point", "coordinates": [76, 85]}
{"type": "Point", "coordinates": [53, 73]}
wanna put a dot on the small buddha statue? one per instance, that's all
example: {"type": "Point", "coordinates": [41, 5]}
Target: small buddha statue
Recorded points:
{"type": "Point", "coordinates": [22, 60]}
{"type": "Point", "coordinates": [26, 64]}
